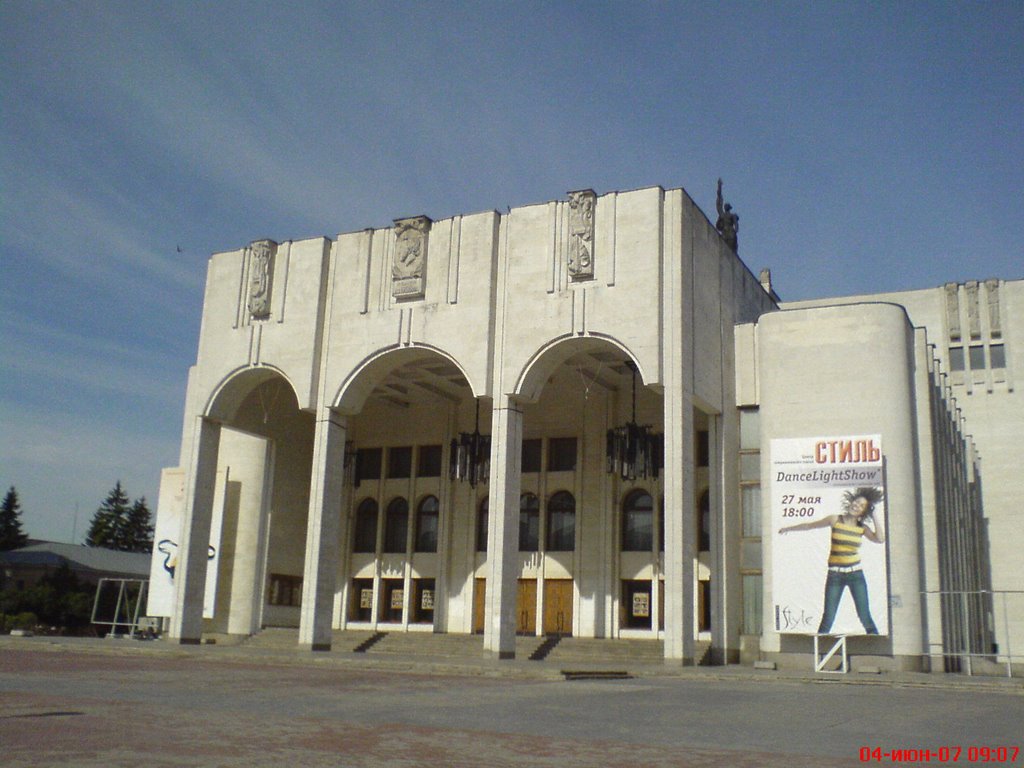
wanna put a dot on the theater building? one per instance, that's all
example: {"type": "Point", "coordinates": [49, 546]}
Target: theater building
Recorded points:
{"type": "Point", "coordinates": [559, 420]}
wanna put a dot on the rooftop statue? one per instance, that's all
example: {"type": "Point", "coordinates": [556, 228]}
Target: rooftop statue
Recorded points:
{"type": "Point", "coordinates": [728, 224]}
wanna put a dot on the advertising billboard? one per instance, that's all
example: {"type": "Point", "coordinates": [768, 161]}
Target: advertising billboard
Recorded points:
{"type": "Point", "coordinates": [163, 566]}
{"type": "Point", "coordinates": [829, 567]}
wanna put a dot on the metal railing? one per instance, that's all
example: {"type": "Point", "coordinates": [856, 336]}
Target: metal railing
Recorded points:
{"type": "Point", "coordinates": [959, 628]}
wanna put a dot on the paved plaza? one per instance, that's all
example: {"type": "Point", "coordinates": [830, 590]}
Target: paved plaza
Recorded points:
{"type": "Point", "coordinates": [126, 703]}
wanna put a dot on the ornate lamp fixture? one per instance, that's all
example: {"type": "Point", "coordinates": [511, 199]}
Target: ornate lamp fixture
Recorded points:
{"type": "Point", "coordinates": [470, 455]}
{"type": "Point", "coordinates": [634, 450]}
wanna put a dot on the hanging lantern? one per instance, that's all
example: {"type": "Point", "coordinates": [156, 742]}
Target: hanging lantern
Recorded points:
{"type": "Point", "coordinates": [470, 455]}
{"type": "Point", "coordinates": [634, 450]}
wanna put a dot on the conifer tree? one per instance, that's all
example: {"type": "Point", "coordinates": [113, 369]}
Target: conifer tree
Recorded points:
{"type": "Point", "coordinates": [120, 524]}
{"type": "Point", "coordinates": [139, 528]}
{"type": "Point", "coordinates": [107, 528]}
{"type": "Point", "coordinates": [11, 534]}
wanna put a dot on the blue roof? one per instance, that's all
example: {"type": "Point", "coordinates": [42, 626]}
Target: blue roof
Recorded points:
{"type": "Point", "coordinates": [80, 558]}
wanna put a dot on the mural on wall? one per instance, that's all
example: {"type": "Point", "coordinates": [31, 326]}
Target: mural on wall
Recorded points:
{"type": "Point", "coordinates": [828, 536]}
{"type": "Point", "coordinates": [163, 567]}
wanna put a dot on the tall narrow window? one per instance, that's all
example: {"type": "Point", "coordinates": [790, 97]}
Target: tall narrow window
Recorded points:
{"type": "Point", "coordinates": [365, 538]}
{"type": "Point", "coordinates": [368, 462]}
{"type": "Point", "coordinates": [562, 522]}
{"type": "Point", "coordinates": [977, 358]}
{"type": "Point", "coordinates": [400, 462]}
{"type": "Point", "coordinates": [703, 448]}
{"type": "Point", "coordinates": [428, 462]}
{"type": "Point", "coordinates": [562, 454]}
{"type": "Point", "coordinates": [638, 522]}
{"type": "Point", "coordinates": [956, 358]}
{"type": "Point", "coordinates": [531, 455]}
{"type": "Point", "coordinates": [704, 521]}
{"type": "Point", "coordinates": [529, 523]}
{"type": "Point", "coordinates": [750, 497]}
{"type": "Point", "coordinates": [426, 525]}
{"type": "Point", "coordinates": [997, 354]}
{"type": "Point", "coordinates": [481, 526]}
{"type": "Point", "coordinates": [396, 525]}
{"type": "Point", "coordinates": [752, 604]}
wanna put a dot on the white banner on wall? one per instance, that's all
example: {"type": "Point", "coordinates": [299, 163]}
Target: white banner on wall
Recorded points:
{"type": "Point", "coordinates": [829, 568]}
{"type": "Point", "coordinates": [163, 566]}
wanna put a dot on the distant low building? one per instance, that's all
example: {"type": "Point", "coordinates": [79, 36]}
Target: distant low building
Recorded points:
{"type": "Point", "coordinates": [23, 568]}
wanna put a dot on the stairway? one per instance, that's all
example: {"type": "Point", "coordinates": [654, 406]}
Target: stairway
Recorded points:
{"type": "Point", "coordinates": [566, 652]}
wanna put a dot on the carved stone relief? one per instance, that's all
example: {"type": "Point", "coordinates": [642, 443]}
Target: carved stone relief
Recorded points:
{"type": "Point", "coordinates": [992, 294]}
{"type": "Point", "coordinates": [973, 319]}
{"type": "Point", "coordinates": [953, 310]}
{"type": "Point", "coordinates": [408, 271]}
{"type": "Point", "coordinates": [261, 274]}
{"type": "Point", "coordinates": [581, 234]}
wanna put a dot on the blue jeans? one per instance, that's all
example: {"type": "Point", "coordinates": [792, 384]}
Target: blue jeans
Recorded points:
{"type": "Point", "coordinates": [834, 586]}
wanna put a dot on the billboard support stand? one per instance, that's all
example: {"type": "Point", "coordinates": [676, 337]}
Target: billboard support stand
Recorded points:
{"type": "Point", "coordinates": [820, 661]}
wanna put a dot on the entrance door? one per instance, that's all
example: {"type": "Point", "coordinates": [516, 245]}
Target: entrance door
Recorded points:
{"type": "Point", "coordinates": [526, 607]}
{"type": "Point", "coordinates": [479, 604]}
{"type": "Point", "coordinates": [558, 607]}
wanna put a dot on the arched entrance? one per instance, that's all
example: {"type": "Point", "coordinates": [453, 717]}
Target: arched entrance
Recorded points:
{"type": "Point", "coordinates": [412, 490]}
{"type": "Point", "coordinates": [246, 507]}
{"type": "Point", "coordinates": [591, 437]}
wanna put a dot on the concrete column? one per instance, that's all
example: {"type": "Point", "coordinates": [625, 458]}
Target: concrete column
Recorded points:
{"type": "Point", "coordinates": [680, 482]}
{"type": "Point", "coordinates": [721, 567]}
{"type": "Point", "coordinates": [194, 541]}
{"type": "Point", "coordinates": [503, 529]}
{"type": "Point", "coordinates": [322, 531]}
{"type": "Point", "coordinates": [680, 535]}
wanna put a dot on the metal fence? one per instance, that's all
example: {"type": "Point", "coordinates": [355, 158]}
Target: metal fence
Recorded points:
{"type": "Point", "coordinates": [977, 629]}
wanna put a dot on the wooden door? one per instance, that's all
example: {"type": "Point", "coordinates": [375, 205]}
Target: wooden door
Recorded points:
{"type": "Point", "coordinates": [479, 604]}
{"type": "Point", "coordinates": [526, 607]}
{"type": "Point", "coordinates": [558, 607]}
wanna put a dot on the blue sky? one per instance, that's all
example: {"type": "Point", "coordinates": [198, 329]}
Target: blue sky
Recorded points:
{"type": "Point", "coordinates": [866, 146]}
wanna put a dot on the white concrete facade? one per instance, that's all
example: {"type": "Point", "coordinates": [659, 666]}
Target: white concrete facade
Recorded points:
{"type": "Point", "coordinates": [333, 377]}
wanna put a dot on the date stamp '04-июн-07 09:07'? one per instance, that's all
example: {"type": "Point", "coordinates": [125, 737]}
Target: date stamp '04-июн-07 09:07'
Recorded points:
{"type": "Point", "coordinates": [944, 754]}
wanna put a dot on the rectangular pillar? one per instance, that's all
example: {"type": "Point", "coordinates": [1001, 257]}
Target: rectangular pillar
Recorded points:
{"type": "Point", "coordinates": [503, 529]}
{"type": "Point", "coordinates": [678, 362]}
{"type": "Point", "coordinates": [186, 625]}
{"type": "Point", "coordinates": [323, 529]}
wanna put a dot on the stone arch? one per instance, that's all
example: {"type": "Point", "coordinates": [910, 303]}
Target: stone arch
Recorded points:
{"type": "Point", "coordinates": [547, 358]}
{"type": "Point", "coordinates": [365, 377]}
{"type": "Point", "coordinates": [228, 396]}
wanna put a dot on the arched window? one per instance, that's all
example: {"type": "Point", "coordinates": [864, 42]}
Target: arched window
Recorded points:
{"type": "Point", "coordinates": [365, 537]}
{"type": "Point", "coordinates": [704, 521]}
{"type": "Point", "coordinates": [562, 522]}
{"type": "Point", "coordinates": [426, 525]}
{"type": "Point", "coordinates": [529, 523]}
{"type": "Point", "coordinates": [481, 525]}
{"type": "Point", "coordinates": [638, 522]}
{"type": "Point", "coordinates": [396, 525]}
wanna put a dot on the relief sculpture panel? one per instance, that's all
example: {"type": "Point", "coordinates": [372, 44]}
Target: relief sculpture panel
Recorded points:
{"type": "Point", "coordinates": [581, 234]}
{"type": "Point", "coordinates": [261, 274]}
{"type": "Point", "coordinates": [408, 270]}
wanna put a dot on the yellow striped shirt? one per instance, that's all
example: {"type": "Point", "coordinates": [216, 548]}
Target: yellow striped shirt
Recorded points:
{"type": "Point", "coordinates": [846, 541]}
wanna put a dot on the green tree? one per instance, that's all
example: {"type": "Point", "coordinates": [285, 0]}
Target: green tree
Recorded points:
{"type": "Point", "coordinates": [120, 524]}
{"type": "Point", "coordinates": [107, 528]}
{"type": "Point", "coordinates": [11, 534]}
{"type": "Point", "coordinates": [139, 528]}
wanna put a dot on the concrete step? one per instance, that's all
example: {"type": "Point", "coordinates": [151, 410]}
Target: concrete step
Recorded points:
{"type": "Point", "coordinates": [564, 651]}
